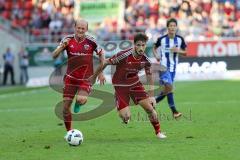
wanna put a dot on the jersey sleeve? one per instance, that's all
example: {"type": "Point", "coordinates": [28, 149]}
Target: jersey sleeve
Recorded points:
{"type": "Point", "coordinates": [183, 44]}
{"type": "Point", "coordinates": [147, 67]}
{"type": "Point", "coordinates": [65, 38]}
{"type": "Point", "coordinates": [115, 58]}
{"type": "Point", "coordinates": [98, 50]}
{"type": "Point", "coordinates": [61, 42]}
{"type": "Point", "coordinates": [120, 56]}
{"type": "Point", "coordinates": [158, 43]}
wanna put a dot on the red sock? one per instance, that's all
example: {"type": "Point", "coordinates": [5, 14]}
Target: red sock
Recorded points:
{"type": "Point", "coordinates": [68, 121]}
{"type": "Point", "coordinates": [156, 126]}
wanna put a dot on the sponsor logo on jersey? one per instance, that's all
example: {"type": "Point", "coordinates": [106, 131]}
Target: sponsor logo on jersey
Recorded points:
{"type": "Point", "coordinates": [86, 47]}
{"type": "Point", "coordinates": [78, 53]}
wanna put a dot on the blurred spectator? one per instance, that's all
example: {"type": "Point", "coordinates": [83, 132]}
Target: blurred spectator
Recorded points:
{"type": "Point", "coordinates": [8, 58]}
{"type": "Point", "coordinates": [23, 62]}
{"type": "Point", "coordinates": [49, 20]}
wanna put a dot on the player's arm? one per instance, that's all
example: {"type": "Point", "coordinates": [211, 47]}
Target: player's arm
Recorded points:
{"type": "Point", "coordinates": [182, 50]}
{"type": "Point", "coordinates": [101, 76]}
{"type": "Point", "coordinates": [99, 70]}
{"type": "Point", "coordinates": [110, 61]}
{"type": "Point", "coordinates": [101, 57]}
{"type": "Point", "coordinates": [150, 80]}
{"type": "Point", "coordinates": [155, 54]}
{"type": "Point", "coordinates": [60, 48]}
{"type": "Point", "coordinates": [155, 47]}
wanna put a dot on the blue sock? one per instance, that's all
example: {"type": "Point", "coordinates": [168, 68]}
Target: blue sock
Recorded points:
{"type": "Point", "coordinates": [77, 107]}
{"type": "Point", "coordinates": [160, 97]}
{"type": "Point", "coordinates": [171, 102]}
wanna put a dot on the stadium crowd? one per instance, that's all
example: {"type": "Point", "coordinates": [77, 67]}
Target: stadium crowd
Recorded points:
{"type": "Point", "coordinates": [198, 19]}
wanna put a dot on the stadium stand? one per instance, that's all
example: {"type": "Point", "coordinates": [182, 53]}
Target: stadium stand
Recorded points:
{"type": "Point", "coordinates": [47, 20]}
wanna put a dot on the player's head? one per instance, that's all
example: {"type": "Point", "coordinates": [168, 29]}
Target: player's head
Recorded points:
{"type": "Point", "coordinates": [81, 27]}
{"type": "Point", "coordinates": [172, 26]}
{"type": "Point", "coordinates": [140, 41]}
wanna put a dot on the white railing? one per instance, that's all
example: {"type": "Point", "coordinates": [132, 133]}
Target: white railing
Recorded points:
{"type": "Point", "coordinates": [18, 33]}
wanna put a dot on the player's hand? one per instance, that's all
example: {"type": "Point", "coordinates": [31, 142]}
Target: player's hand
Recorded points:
{"type": "Point", "coordinates": [65, 43]}
{"type": "Point", "coordinates": [152, 101]}
{"type": "Point", "coordinates": [101, 79]}
{"type": "Point", "coordinates": [174, 49]}
{"type": "Point", "coordinates": [158, 59]}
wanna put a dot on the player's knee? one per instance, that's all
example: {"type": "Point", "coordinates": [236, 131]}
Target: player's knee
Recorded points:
{"type": "Point", "coordinates": [66, 110]}
{"type": "Point", "coordinates": [168, 89]}
{"type": "Point", "coordinates": [152, 113]}
{"type": "Point", "coordinates": [67, 104]}
{"type": "Point", "coordinates": [81, 100]}
{"type": "Point", "coordinates": [149, 110]}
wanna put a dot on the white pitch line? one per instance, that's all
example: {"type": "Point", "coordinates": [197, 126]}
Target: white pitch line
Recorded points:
{"type": "Point", "coordinates": [36, 109]}
{"type": "Point", "coordinates": [211, 102]}
{"type": "Point", "coordinates": [25, 109]}
{"type": "Point", "coordinates": [22, 93]}
{"type": "Point", "coordinates": [51, 108]}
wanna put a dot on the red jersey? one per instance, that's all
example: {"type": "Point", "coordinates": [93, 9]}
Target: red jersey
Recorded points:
{"type": "Point", "coordinates": [80, 57]}
{"type": "Point", "coordinates": [128, 67]}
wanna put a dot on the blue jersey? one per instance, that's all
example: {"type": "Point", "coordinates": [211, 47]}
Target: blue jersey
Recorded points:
{"type": "Point", "coordinates": [167, 58]}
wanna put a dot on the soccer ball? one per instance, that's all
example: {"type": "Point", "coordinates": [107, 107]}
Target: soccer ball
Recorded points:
{"type": "Point", "coordinates": [74, 137]}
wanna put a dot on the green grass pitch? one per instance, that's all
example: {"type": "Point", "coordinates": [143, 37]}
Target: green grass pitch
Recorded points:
{"type": "Point", "coordinates": [210, 129]}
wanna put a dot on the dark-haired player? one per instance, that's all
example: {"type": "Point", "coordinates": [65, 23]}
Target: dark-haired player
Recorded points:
{"type": "Point", "coordinates": [127, 84]}
{"type": "Point", "coordinates": [166, 50]}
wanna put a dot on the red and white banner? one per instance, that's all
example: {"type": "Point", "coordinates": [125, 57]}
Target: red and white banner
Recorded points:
{"type": "Point", "coordinates": [214, 48]}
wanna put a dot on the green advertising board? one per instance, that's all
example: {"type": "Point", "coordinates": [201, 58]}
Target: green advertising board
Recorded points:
{"type": "Point", "coordinates": [97, 10]}
{"type": "Point", "coordinates": [40, 54]}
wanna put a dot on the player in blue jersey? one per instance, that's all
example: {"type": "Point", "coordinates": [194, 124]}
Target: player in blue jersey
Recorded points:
{"type": "Point", "coordinates": [166, 50]}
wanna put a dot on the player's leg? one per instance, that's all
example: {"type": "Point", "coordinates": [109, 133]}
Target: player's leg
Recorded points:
{"type": "Point", "coordinates": [170, 98]}
{"type": "Point", "coordinates": [84, 90]}
{"type": "Point", "coordinates": [81, 99]}
{"type": "Point", "coordinates": [169, 92]}
{"type": "Point", "coordinates": [69, 92]}
{"type": "Point", "coordinates": [139, 96]}
{"type": "Point", "coordinates": [163, 80]}
{"type": "Point", "coordinates": [122, 103]}
{"type": "Point", "coordinates": [167, 79]}
{"type": "Point", "coordinates": [166, 89]}
{"type": "Point", "coordinates": [152, 116]}
{"type": "Point", "coordinates": [172, 106]}
{"type": "Point", "coordinates": [67, 115]}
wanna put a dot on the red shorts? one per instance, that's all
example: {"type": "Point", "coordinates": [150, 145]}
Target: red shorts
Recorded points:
{"type": "Point", "coordinates": [123, 94]}
{"type": "Point", "coordinates": [72, 86]}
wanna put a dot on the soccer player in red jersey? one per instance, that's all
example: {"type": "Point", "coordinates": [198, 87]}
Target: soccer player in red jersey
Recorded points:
{"type": "Point", "coordinates": [80, 49]}
{"type": "Point", "coordinates": [127, 84]}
